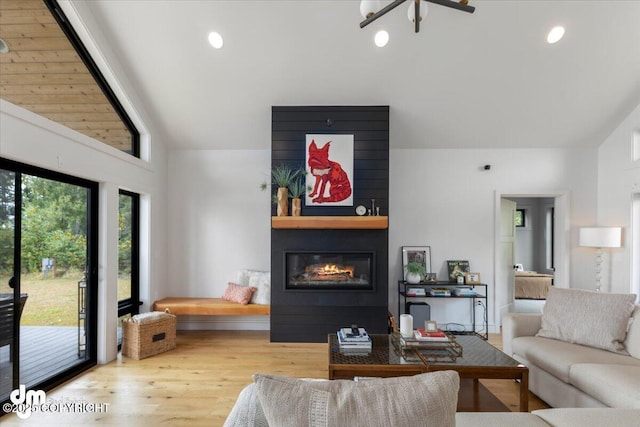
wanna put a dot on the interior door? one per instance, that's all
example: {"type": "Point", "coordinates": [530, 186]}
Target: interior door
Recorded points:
{"type": "Point", "coordinates": [505, 270]}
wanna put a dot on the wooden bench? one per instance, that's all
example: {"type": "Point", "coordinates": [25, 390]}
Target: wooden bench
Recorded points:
{"type": "Point", "coordinates": [210, 307]}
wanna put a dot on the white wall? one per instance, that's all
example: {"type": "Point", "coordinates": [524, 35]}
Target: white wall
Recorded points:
{"type": "Point", "coordinates": [618, 180]}
{"type": "Point", "coordinates": [219, 223]}
{"type": "Point", "coordinates": [444, 199]}
{"type": "Point", "coordinates": [219, 219]}
{"type": "Point", "coordinates": [31, 139]}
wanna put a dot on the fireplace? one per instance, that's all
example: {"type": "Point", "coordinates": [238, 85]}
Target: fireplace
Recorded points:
{"type": "Point", "coordinates": [329, 270]}
{"type": "Point", "coordinates": [322, 280]}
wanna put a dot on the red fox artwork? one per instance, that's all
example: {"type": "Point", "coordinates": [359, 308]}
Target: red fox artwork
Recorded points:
{"type": "Point", "coordinates": [327, 174]}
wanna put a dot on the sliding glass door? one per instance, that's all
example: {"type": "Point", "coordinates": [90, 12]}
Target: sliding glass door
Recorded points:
{"type": "Point", "coordinates": [48, 228]}
{"type": "Point", "coordinates": [9, 293]}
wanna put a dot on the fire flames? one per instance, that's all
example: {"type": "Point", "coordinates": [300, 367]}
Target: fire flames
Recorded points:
{"type": "Point", "coordinates": [330, 272]}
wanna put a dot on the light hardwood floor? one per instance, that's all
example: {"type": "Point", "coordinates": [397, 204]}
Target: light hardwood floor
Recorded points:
{"type": "Point", "coordinates": [198, 383]}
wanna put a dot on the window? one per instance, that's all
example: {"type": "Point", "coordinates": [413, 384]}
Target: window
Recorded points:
{"type": "Point", "coordinates": [520, 219]}
{"type": "Point", "coordinates": [128, 256]}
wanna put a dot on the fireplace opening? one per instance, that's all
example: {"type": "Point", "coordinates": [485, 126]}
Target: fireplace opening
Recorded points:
{"type": "Point", "coordinates": [329, 270]}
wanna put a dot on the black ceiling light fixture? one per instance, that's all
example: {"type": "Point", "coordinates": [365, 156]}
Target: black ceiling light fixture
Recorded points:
{"type": "Point", "coordinates": [370, 9]}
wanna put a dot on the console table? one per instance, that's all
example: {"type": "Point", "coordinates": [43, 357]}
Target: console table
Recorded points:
{"type": "Point", "coordinates": [481, 295]}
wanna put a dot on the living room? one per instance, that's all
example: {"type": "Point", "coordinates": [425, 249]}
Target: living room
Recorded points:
{"type": "Point", "coordinates": [203, 216]}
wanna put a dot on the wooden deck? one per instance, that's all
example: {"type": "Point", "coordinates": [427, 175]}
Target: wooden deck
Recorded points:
{"type": "Point", "coordinates": [44, 351]}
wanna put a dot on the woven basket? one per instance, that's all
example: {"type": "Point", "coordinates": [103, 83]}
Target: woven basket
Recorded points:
{"type": "Point", "coordinates": [141, 340]}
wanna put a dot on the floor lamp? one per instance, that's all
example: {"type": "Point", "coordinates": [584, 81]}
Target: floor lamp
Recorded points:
{"type": "Point", "coordinates": [600, 237]}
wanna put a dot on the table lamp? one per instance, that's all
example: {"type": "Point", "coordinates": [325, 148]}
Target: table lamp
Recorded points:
{"type": "Point", "coordinates": [600, 237]}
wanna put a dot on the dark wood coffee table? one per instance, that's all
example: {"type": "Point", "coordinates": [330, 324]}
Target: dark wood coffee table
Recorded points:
{"type": "Point", "coordinates": [479, 360]}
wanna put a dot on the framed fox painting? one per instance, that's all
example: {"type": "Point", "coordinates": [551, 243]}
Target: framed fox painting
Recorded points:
{"type": "Point", "coordinates": [329, 170]}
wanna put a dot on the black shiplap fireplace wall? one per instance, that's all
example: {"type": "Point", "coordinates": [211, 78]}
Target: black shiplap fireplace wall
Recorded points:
{"type": "Point", "coordinates": [308, 315]}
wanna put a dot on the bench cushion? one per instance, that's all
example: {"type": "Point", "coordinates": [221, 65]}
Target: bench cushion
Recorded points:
{"type": "Point", "coordinates": [210, 307]}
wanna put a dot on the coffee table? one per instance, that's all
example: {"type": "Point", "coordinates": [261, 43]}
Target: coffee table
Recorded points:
{"type": "Point", "coordinates": [479, 359]}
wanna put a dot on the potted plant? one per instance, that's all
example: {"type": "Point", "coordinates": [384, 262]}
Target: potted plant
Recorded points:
{"type": "Point", "coordinates": [282, 176]}
{"type": "Point", "coordinates": [296, 189]}
{"type": "Point", "coordinates": [415, 272]}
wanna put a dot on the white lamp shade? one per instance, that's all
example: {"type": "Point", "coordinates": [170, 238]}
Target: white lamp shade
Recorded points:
{"type": "Point", "coordinates": [601, 237]}
{"type": "Point", "coordinates": [369, 7]}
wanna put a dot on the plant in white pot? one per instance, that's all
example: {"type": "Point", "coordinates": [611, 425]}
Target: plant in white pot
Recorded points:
{"type": "Point", "coordinates": [415, 272]}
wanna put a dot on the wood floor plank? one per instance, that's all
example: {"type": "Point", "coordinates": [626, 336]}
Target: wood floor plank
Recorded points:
{"type": "Point", "coordinates": [197, 383]}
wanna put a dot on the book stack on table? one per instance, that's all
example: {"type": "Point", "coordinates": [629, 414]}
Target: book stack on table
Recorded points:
{"type": "Point", "coordinates": [354, 340]}
{"type": "Point", "coordinates": [439, 335]}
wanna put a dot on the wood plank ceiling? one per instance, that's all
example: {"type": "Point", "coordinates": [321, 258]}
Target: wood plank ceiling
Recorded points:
{"type": "Point", "coordinates": [43, 73]}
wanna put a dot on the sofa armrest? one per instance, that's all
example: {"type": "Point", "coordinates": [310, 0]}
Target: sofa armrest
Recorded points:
{"type": "Point", "coordinates": [518, 325]}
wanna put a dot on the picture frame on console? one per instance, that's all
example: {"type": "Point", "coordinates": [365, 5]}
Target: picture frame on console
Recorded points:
{"type": "Point", "coordinates": [457, 268]}
{"type": "Point", "coordinates": [472, 278]}
{"type": "Point", "coordinates": [419, 254]}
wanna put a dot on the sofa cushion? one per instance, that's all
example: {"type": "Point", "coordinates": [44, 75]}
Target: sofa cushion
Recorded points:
{"type": "Point", "coordinates": [580, 417]}
{"type": "Point", "coordinates": [595, 319]}
{"type": "Point", "coordinates": [494, 419]}
{"type": "Point", "coordinates": [426, 399]}
{"type": "Point", "coordinates": [556, 357]}
{"type": "Point", "coordinates": [617, 386]}
{"type": "Point", "coordinates": [632, 341]}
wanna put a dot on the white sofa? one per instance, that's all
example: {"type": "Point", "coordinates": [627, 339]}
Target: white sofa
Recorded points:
{"type": "Point", "coordinates": [248, 412]}
{"type": "Point", "coordinates": [566, 374]}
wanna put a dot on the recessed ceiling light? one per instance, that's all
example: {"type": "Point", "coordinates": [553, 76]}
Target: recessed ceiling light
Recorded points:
{"type": "Point", "coordinates": [381, 38]}
{"type": "Point", "coordinates": [555, 34]}
{"type": "Point", "coordinates": [4, 47]}
{"type": "Point", "coordinates": [215, 40]}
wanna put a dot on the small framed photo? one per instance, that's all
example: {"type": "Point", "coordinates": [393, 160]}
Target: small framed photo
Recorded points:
{"type": "Point", "coordinates": [419, 254]}
{"type": "Point", "coordinates": [472, 278]}
{"type": "Point", "coordinates": [430, 277]}
{"type": "Point", "coordinates": [430, 326]}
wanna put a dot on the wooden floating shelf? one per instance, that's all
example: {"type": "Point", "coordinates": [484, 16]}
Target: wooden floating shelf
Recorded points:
{"type": "Point", "coordinates": [331, 222]}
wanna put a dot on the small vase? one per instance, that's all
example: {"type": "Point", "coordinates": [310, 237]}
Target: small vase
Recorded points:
{"type": "Point", "coordinates": [296, 207]}
{"type": "Point", "coordinates": [413, 278]}
{"type": "Point", "coordinates": [283, 201]}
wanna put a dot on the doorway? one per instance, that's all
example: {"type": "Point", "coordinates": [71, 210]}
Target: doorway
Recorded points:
{"type": "Point", "coordinates": [48, 276]}
{"type": "Point", "coordinates": [551, 256]}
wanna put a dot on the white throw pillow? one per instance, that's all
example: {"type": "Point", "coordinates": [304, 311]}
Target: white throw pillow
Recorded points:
{"type": "Point", "coordinates": [421, 400]}
{"type": "Point", "coordinates": [261, 280]}
{"type": "Point", "coordinates": [595, 319]}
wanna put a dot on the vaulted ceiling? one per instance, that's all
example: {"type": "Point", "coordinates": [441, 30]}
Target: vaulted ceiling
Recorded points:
{"type": "Point", "coordinates": [43, 73]}
{"type": "Point", "coordinates": [482, 80]}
